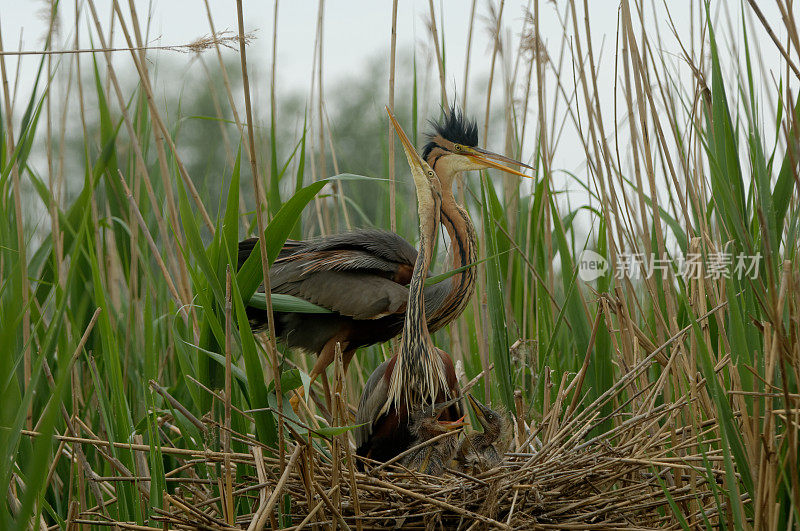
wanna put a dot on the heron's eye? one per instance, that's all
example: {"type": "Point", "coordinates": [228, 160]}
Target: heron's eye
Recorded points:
{"type": "Point", "coordinates": [458, 147]}
{"type": "Point", "coordinates": [430, 173]}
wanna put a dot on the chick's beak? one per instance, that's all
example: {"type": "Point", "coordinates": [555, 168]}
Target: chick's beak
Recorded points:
{"type": "Point", "coordinates": [477, 407]}
{"type": "Point", "coordinates": [493, 160]}
{"type": "Point", "coordinates": [452, 424]}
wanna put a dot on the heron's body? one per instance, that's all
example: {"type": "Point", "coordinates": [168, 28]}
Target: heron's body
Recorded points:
{"type": "Point", "coordinates": [362, 276]}
{"type": "Point", "coordinates": [419, 374]}
{"type": "Point", "coordinates": [382, 437]}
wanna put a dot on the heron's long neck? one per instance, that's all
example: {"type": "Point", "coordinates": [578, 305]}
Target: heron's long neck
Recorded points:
{"type": "Point", "coordinates": [463, 240]}
{"type": "Point", "coordinates": [416, 326]}
{"type": "Point", "coordinates": [418, 373]}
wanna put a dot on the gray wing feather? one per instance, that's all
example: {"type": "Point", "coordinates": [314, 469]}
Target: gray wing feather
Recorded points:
{"type": "Point", "coordinates": [372, 399]}
{"type": "Point", "coordinates": [340, 260]}
{"type": "Point", "coordinates": [436, 294]}
{"type": "Point", "coordinates": [381, 243]}
{"type": "Point", "coordinates": [353, 295]}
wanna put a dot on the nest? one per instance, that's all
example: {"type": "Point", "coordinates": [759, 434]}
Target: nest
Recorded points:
{"type": "Point", "coordinates": [639, 473]}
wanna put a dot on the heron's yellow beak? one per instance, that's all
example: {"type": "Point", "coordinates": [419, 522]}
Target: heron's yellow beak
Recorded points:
{"type": "Point", "coordinates": [411, 152]}
{"type": "Point", "coordinates": [491, 159]}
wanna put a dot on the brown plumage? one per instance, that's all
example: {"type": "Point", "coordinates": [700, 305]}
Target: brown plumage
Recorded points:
{"type": "Point", "coordinates": [362, 276]}
{"type": "Point", "coordinates": [481, 451]}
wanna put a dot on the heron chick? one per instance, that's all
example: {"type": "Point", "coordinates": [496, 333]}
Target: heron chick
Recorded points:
{"type": "Point", "coordinates": [424, 425]}
{"type": "Point", "coordinates": [481, 451]}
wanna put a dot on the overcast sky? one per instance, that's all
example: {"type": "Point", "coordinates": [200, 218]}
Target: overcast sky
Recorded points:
{"type": "Point", "coordinates": [357, 31]}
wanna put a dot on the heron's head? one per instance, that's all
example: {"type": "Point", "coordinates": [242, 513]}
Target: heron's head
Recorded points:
{"type": "Point", "coordinates": [425, 179]}
{"type": "Point", "coordinates": [490, 420]}
{"type": "Point", "coordinates": [424, 419]}
{"type": "Point", "coordinates": [453, 148]}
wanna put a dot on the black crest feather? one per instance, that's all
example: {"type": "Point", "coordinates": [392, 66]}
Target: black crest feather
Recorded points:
{"type": "Point", "coordinates": [454, 127]}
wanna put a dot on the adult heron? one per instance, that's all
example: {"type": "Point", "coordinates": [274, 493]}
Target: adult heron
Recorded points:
{"type": "Point", "coordinates": [419, 373]}
{"type": "Point", "coordinates": [361, 276]}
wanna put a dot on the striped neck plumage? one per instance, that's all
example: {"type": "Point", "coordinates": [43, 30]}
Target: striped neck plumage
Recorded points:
{"type": "Point", "coordinates": [463, 241]}
{"type": "Point", "coordinates": [418, 373]}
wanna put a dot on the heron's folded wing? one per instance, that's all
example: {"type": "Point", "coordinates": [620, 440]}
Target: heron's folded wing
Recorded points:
{"type": "Point", "coordinates": [372, 399]}
{"type": "Point", "coordinates": [380, 243]}
{"type": "Point", "coordinates": [354, 260]}
{"type": "Point", "coordinates": [247, 246]}
{"type": "Point", "coordinates": [354, 295]}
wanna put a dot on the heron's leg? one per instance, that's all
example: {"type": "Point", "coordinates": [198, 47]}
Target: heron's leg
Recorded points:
{"type": "Point", "coordinates": [347, 357]}
{"type": "Point", "coordinates": [325, 358]}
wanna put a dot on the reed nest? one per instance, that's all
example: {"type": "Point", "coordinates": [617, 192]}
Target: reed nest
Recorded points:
{"type": "Point", "coordinates": [563, 472]}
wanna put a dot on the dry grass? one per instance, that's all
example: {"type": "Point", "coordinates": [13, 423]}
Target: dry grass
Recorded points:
{"type": "Point", "coordinates": [556, 478]}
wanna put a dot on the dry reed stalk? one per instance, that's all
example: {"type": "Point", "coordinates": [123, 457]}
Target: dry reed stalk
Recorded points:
{"type": "Point", "coordinates": [604, 482]}
{"type": "Point", "coordinates": [793, 433]}
{"type": "Point", "coordinates": [72, 512]}
{"type": "Point", "coordinates": [511, 183]}
{"type": "Point", "coordinates": [439, 62]}
{"type": "Point", "coordinates": [582, 372]}
{"type": "Point", "coordinates": [771, 33]}
{"type": "Point", "coordinates": [337, 419]}
{"type": "Point", "coordinates": [546, 213]}
{"type": "Point", "coordinates": [392, 184]}
{"type": "Point", "coordinates": [226, 435]}
{"type": "Point", "coordinates": [51, 178]}
{"type": "Point", "coordinates": [529, 240]}
{"type": "Point", "coordinates": [352, 477]}
{"type": "Point", "coordinates": [261, 207]}
{"type": "Point", "coordinates": [199, 45]}
{"type": "Point", "coordinates": [265, 510]}
{"type": "Point", "coordinates": [496, 17]}
{"type": "Point", "coordinates": [318, 170]}
{"type": "Point", "coordinates": [273, 70]}
{"type": "Point", "coordinates": [519, 420]}
{"type": "Point", "coordinates": [465, 85]}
